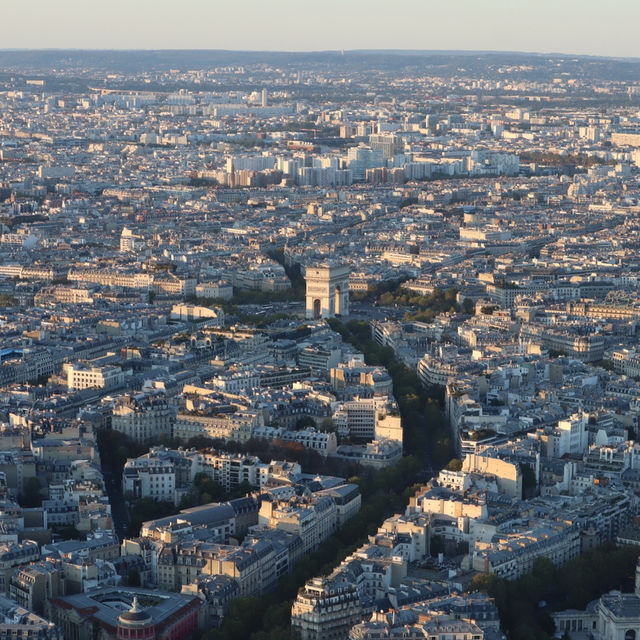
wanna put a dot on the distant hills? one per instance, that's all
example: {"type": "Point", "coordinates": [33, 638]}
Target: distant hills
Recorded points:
{"type": "Point", "coordinates": [440, 62]}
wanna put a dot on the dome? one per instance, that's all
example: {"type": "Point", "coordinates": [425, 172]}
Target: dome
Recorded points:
{"type": "Point", "coordinates": [135, 616]}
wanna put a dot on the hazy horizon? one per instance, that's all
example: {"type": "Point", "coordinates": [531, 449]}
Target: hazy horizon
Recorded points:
{"type": "Point", "coordinates": [571, 27]}
{"type": "Point", "coordinates": [443, 52]}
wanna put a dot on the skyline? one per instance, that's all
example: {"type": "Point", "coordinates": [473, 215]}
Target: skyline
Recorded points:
{"type": "Point", "coordinates": [362, 51]}
{"type": "Point", "coordinates": [570, 28]}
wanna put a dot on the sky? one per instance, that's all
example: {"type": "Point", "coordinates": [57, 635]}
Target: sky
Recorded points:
{"type": "Point", "coordinates": [592, 27]}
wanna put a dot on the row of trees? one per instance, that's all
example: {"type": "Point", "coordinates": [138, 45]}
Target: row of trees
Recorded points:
{"type": "Point", "coordinates": [269, 617]}
{"type": "Point", "coordinates": [426, 307]}
{"type": "Point", "coordinates": [439, 301]}
{"type": "Point", "coordinates": [144, 509]}
{"type": "Point", "coordinates": [195, 181]}
{"type": "Point", "coordinates": [375, 291]}
{"type": "Point", "coordinates": [525, 604]}
{"type": "Point", "coordinates": [425, 431]}
{"type": "Point", "coordinates": [521, 603]}
{"type": "Point", "coordinates": [383, 493]}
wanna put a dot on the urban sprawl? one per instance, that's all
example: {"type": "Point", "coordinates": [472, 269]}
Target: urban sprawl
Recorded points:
{"type": "Point", "coordinates": [335, 346]}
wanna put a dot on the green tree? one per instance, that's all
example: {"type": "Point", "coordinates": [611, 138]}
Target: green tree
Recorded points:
{"type": "Point", "coordinates": [608, 365]}
{"type": "Point", "coordinates": [454, 465]}
{"type": "Point", "coordinates": [304, 423]}
{"type": "Point", "coordinates": [571, 586]}
{"type": "Point", "coordinates": [468, 306]}
{"type": "Point", "coordinates": [69, 532]}
{"type": "Point", "coordinates": [241, 490]}
{"type": "Point", "coordinates": [328, 425]}
{"type": "Point", "coordinates": [210, 488]}
{"type": "Point", "coordinates": [524, 632]}
{"type": "Point", "coordinates": [145, 509]}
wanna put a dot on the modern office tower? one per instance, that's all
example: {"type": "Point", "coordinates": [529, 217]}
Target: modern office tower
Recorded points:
{"type": "Point", "coordinates": [389, 144]}
{"type": "Point", "coordinates": [265, 98]}
{"type": "Point", "coordinates": [359, 159]}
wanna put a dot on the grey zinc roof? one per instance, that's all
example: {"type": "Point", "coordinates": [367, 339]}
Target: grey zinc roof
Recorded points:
{"type": "Point", "coordinates": [203, 516]}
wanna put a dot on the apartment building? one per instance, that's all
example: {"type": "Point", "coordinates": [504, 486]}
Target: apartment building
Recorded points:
{"type": "Point", "coordinates": [326, 608]}
{"type": "Point", "coordinates": [512, 555]}
{"type": "Point", "coordinates": [150, 476]}
{"type": "Point", "coordinates": [83, 376]}
{"type": "Point", "coordinates": [18, 623]}
{"type": "Point", "coordinates": [143, 416]}
{"type": "Point", "coordinates": [313, 519]}
{"type": "Point", "coordinates": [14, 555]}
{"type": "Point", "coordinates": [32, 585]}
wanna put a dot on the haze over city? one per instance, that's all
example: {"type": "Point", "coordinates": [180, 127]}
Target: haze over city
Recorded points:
{"type": "Point", "coordinates": [587, 27]}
